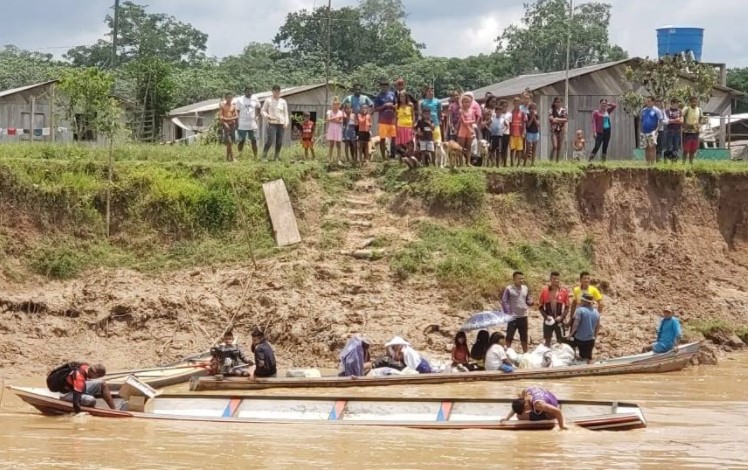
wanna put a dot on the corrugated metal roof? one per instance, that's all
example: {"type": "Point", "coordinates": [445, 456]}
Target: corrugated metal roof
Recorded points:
{"type": "Point", "coordinates": [215, 103]}
{"type": "Point", "coordinates": [516, 85]}
{"type": "Point", "coordinates": [13, 91]}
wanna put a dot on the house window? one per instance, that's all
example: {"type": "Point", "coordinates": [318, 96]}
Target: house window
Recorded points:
{"type": "Point", "coordinates": [86, 134]}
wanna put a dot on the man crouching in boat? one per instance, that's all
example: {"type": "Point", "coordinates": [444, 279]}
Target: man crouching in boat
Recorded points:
{"type": "Point", "coordinates": [83, 385]}
{"type": "Point", "coordinates": [265, 365]}
{"type": "Point", "coordinates": [354, 358]}
{"type": "Point", "coordinates": [400, 350]}
{"type": "Point", "coordinates": [536, 404]}
{"type": "Point", "coordinates": [668, 334]}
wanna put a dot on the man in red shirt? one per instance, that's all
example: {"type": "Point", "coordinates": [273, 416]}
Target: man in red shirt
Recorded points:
{"type": "Point", "coordinates": [554, 306]}
{"type": "Point", "coordinates": [85, 385]}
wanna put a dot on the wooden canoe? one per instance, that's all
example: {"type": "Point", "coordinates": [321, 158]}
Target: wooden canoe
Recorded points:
{"type": "Point", "coordinates": [158, 377]}
{"type": "Point", "coordinates": [422, 413]}
{"type": "Point", "coordinates": [648, 363]}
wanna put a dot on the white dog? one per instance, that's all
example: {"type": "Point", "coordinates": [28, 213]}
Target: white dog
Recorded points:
{"type": "Point", "coordinates": [441, 160]}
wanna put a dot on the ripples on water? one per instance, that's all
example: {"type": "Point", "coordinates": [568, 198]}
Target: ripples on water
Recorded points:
{"type": "Point", "coordinates": [698, 418]}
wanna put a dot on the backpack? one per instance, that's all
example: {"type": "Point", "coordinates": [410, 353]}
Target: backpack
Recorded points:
{"type": "Point", "coordinates": [57, 380]}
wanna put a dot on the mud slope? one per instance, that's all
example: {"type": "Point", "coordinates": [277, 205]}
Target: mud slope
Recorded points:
{"type": "Point", "coordinates": [659, 238]}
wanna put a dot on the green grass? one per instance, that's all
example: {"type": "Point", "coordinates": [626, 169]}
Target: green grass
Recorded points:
{"type": "Point", "coordinates": [709, 328]}
{"type": "Point", "coordinates": [742, 333]}
{"type": "Point", "coordinates": [474, 262]}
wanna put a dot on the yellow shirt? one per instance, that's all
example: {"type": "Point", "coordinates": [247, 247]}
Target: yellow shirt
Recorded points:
{"type": "Point", "coordinates": [405, 116]}
{"type": "Point", "coordinates": [592, 290]}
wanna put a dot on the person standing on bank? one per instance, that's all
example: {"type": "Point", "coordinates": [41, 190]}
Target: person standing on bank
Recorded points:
{"type": "Point", "coordinates": [249, 109]}
{"type": "Point", "coordinates": [585, 285]}
{"type": "Point", "coordinates": [265, 365]}
{"type": "Point", "coordinates": [515, 301]}
{"type": "Point", "coordinates": [651, 120]}
{"type": "Point", "coordinates": [228, 115]}
{"type": "Point", "coordinates": [275, 111]}
{"type": "Point", "coordinates": [554, 306]}
{"type": "Point", "coordinates": [602, 125]}
{"type": "Point", "coordinates": [585, 328]}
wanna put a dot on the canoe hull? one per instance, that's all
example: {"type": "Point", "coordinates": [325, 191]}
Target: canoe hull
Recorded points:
{"type": "Point", "coordinates": [638, 364]}
{"type": "Point", "coordinates": [417, 413]}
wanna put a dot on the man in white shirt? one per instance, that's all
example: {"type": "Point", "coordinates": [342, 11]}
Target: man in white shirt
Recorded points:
{"type": "Point", "coordinates": [249, 111]}
{"type": "Point", "coordinates": [275, 111]}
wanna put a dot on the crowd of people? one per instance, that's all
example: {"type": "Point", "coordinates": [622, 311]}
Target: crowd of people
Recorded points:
{"type": "Point", "coordinates": [423, 131]}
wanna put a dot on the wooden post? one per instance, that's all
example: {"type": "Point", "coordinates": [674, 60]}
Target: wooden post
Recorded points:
{"type": "Point", "coordinates": [31, 121]}
{"type": "Point", "coordinates": [109, 186]}
{"type": "Point", "coordinates": [52, 132]}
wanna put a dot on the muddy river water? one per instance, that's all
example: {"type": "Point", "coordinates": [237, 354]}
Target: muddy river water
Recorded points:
{"type": "Point", "coordinates": [698, 418]}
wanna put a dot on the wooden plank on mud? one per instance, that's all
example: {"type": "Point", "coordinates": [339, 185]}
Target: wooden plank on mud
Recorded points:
{"type": "Point", "coordinates": [281, 213]}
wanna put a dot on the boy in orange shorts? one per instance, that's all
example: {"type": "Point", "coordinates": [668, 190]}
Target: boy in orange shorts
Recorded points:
{"type": "Point", "coordinates": [384, 104]}
{"type": "Point", "coordinates": [517, 129]}
{"type": "Point", "coordinates": [307, 136]}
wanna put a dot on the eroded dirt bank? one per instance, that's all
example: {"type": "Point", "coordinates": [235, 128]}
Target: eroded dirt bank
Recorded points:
{"type": "Point", "coordinates": [658, 238]}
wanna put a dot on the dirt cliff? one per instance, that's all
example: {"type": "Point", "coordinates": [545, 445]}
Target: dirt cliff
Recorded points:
{"type": "Point", "coordinates": [652, 237]}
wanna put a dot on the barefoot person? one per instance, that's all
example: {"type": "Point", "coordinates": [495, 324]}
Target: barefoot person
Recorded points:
{"type": "Point", "coordinates": [669, 333]}
{"type": "Point", "coordinates": [651, 121]}
{"type": "Point", "coordinates": [692, 117]}
{"type": "Point", "coordinates": [81, 384]}
{"type": "Point", "coordinates": [585, 328]}
{"type": "Point", "coordinates": [229, 116]}
{"type": "Point", "coordinates": [335, 122]}
{"type": "Point", "coordinates": [536, 404]}
{"type": "Point", "coordinates": [275, 112]}
{"type": "Point", "coordinates": [603, 127]}
{"type": "Point", "coordinates": [307, 136]}
{"type": "Point", "coordinates": [249, 109]}
{"type": "Point", "coordinates": [558, 119]}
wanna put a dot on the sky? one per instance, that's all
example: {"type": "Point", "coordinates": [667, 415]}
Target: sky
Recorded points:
{"type": "Point", "coordinates": [54, 26]}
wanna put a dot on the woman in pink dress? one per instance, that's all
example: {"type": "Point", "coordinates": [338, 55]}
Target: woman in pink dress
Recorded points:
{"type": "Point", "coordinates": [335, 118]}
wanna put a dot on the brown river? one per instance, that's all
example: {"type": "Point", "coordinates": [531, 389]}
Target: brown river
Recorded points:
{"type": "Point", "coordinates": [697, 418]}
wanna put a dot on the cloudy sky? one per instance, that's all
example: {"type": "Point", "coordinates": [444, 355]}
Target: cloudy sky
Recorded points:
{"type": "Point", "coordinates": [56, 25]}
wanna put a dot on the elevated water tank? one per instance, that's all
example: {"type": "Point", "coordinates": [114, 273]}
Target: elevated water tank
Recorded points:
{"type": "Point", "coordinates": [674, 40]}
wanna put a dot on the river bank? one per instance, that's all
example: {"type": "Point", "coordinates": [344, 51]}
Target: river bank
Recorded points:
{"type": "Point", "coordinates": [438, 244]}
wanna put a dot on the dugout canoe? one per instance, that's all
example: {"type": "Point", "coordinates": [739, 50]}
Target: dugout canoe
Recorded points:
{"type": "Point", "coordinates": [648, 363]}
{"type": "Point", "coordinates": [428, 413]}
{"type": "Point", "coordinates": [158, 377]}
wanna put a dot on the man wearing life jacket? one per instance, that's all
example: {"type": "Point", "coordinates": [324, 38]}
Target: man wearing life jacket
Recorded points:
{"type": "Point", "coordinates": [84, 385]}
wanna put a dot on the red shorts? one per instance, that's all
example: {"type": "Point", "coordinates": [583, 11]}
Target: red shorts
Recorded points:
{"type": "Point", "coordinates": [307, 144]}
{"type": "Point", "coordinates": [690, 143]}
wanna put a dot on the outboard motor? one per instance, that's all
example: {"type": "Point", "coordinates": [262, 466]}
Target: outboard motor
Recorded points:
{"type": "Point", "coordinates": [225, 359]}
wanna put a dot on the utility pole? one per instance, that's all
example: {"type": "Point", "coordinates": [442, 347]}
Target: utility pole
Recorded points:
{"type": "Point", "coordinates": [115, 31]}
{"type": "Point", "coordinates": [566, 84]}
{"type": "Point", "coordinates": [327, 64]}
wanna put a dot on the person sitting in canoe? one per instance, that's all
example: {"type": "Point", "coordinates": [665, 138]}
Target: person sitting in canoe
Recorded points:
{"type": "Point", "coordinates": [668, 334]}
{"type": "Point", "coordinates": [496, 358]}
{"type": "Point", "coordinates": [355, 359]}
{"type": "Point", "coordinates": [536, 404]}
{"type": "Point", "coordinates": [81, 384]}
{"type": "Point", "coordinates": [228, 359]}
{"type": "Point", "coordinates": [461, 353]}
{"type": "Point", "coordinates": [265, 365]}
{"type": "Point", "coordinates": [400, 350]}
{"type": "Point", "coordinates": [478, 351]}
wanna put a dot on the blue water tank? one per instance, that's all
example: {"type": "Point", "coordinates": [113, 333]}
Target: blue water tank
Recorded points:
{"type": "Point", "coordinates": [672, 40]}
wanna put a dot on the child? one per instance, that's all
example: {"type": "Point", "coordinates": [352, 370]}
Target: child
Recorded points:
{"type": "Point", "coordinates": [579, 144]}
{"type": "Point", "coordinates": [404, 121]}
{"type": "Point", "coordinates": [495, 127]}
{"type": "Point", "coordinates": [460, 351]}
{"type": "Point", "coordinates": [425, 133]}
{"type": "Point", "coordinates": [364, 133]}
{"type": "Point", "coordinates": [335, 118]}
{"type": "Point", "coordinates": [307, 136]}
{"type": "Point", "coordinates": [229, 116]}
{"type": "Point", "coordinates": [349, 134]}
{"type": "Point", "coordinates": [506, 119]}
{"type": "Point", "coordinates": [517, 132]}
{"type": "Point", "coordinates": [465, 133]}
{"type": "Point", "coordinates": [533, 132]}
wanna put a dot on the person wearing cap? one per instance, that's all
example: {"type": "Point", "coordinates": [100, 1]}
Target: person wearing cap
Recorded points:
{"type": "Point", "coordinates": [355, 359]}
{"type": "Point", "coordinates": [384, 106]}
{"type": "Point", "coordinates": [400, 350]}
{"type": "Point", "coordinates": [265, 365]}
{"type": "Point", "coordinates": [585, 327]}
{"type": "Point", "coordinates": [669, 333]}
{"type": "Point", "coordinates": [536, 404]}
{"type": "Point", "coordinates": [554, 306]}
{"type": "Point", "coordinates": [275, 111]}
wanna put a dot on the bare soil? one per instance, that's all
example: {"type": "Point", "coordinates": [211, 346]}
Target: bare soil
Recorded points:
{"type": "Point", "coordinates": [659, 239]}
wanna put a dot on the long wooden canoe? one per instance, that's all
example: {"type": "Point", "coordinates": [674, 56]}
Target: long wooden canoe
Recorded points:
{"type": "Point", "coordinates": [648, 363]}
{"type": "Point", "coordinates": [158, 377]}
{"type": "Point", "coordinates": [428, 413]}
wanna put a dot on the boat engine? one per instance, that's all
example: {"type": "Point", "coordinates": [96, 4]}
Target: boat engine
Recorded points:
{"type": "Point", "coordinates": [225, 359]}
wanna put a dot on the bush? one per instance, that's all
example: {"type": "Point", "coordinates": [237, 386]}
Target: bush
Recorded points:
{"type": "Point", "coordinates": [58, 263]}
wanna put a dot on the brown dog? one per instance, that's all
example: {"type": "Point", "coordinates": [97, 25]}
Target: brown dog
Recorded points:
{"type": "Point", "coordinates": [455, 152]}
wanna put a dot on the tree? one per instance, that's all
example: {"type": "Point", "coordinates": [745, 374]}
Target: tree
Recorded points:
{"type": "Point", "coordinates": [142, 34]}
{"type": "Point", "coordinates": [374, 32]}
{"type": "Point", "coordinates": [737, 78]}
{"type": "Point", "coordinates": [154, 93]}
{"type": "Point", "coordinates": [538, 44]}
{"type": "Point", "coordinates": [667, 78]}
{"type": "Point", "coordinates": [20, 68]}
